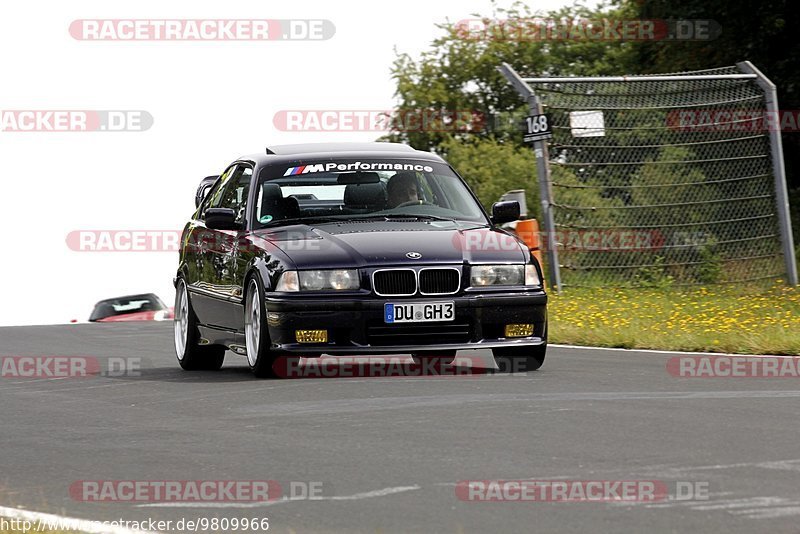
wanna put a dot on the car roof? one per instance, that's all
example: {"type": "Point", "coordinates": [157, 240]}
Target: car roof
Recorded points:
{"type": "Point", "coordinates": [284, 154]}
{"type": "Point", "coordinates": [338, 147]}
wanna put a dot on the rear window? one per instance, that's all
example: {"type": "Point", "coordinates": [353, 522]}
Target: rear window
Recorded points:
{"type": "Point", "coordinates": [126, 305]}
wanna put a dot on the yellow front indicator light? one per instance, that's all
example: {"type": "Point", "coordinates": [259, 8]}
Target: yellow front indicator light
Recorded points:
{"type": "Point", "coordinates": [519, 330]}
{"type": "Point", "coordinates": [311, 336]}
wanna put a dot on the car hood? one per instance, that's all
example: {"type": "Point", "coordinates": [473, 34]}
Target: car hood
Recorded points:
{"type": "Point", "coordinates": [362, 244]}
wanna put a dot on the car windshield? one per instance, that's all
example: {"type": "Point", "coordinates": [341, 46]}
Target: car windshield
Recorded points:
{"type": "Point", "coordinates": [126, 305]}
{"type": "Point", "coordinates": [363, 190]}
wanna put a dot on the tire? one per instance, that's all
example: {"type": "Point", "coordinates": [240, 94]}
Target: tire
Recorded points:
{"type": "Point", "coordinates": [520, 359]}
{"type": "Point", "coordinates": [442, 357]}
{"type": "Point", "coordinates": [256, 332]}
{"type": "Point", "coordinates": [191, 355]}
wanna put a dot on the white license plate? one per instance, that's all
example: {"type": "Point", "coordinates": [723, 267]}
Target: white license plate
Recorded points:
{"type": "Point", "coordinates": [419, 312]}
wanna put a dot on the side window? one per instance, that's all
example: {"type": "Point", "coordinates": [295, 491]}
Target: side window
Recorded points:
{"type": "Point", "coordinates": [213, 196]}
{"type": "Point", "coordinates": [233, 193]}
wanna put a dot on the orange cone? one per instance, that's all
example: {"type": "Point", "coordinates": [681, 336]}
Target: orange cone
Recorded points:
{"type": "Point", "coordinates": [528, 231]}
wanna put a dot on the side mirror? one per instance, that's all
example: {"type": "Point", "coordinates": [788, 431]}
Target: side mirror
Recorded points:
{"type": "Point", "coordinates": [203, 189]}
{"type": "Point", "coordinates": [221, 219]}
{"type": "Point", "coordinates": [503, 212]}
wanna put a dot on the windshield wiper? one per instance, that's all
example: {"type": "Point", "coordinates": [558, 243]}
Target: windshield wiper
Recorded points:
{"type": "Point", "coordinates": [365, 217]}
{"type": "Point", "coordinates": [392, 216]}
{"type": "Point", "coordinates": [302, 220]}
{"type": "Point", "coordinates": [458, 222]}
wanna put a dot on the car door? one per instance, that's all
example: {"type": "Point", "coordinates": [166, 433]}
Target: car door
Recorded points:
{"type": "Point", "coordinates": [236, 260]}
{"type": "Point", "coordinates": [197, 244]}
{"type": "Point", "coordinates": [212, 289]}
{"type": "Point", "coordinates": [216, 294]}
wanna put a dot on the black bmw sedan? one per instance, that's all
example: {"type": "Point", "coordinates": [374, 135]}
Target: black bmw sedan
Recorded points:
{"type": "Point", "coordinates": [352, 249]}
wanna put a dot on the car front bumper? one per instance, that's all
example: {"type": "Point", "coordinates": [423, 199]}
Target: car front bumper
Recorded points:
{"type": "Point", "coordinates": [356, 325]}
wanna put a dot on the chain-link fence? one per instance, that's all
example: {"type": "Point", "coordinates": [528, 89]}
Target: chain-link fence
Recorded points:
{"type": "Point", "coordinates": [669, 181]}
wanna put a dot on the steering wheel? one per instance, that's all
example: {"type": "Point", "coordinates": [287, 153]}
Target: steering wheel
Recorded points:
{"type": "Point", "coordinates": [414, 203]}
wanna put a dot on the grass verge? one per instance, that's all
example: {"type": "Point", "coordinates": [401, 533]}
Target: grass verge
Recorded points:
{"type": "Point", "coordinates": [749, 319]}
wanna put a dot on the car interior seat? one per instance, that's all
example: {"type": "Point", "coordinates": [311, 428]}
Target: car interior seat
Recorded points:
{"type": "Point", "coordinates": [274, 205]}
{"type": "Point", "coordinates": [365, 198]}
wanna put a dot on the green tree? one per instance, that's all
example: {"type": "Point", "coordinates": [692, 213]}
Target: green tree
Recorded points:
{"type": "Point", "coordinates": [762, 32]}
{"type": "Point", "coordinates": [491, 168]}
{"type": "Point", "coordinates": [459, 72]}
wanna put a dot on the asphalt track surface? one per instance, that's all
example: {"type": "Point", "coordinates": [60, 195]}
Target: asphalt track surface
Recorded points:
{"type": "Point", "coordinates": [390, 451]}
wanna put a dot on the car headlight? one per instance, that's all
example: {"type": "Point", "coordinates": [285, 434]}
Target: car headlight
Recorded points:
{"type": "Point", "coordinates": [497, 275]}
{"type": "Point", "coordinates": [532, 276]}
{"type": "Point", "coordinates": [504, 275]}
{"type": "Point", "coordinates": [319, 280]}
{"type": "Point", "coordinates": [343, 279]}
{"type": "Point", "coordinates": [288, 282]}
{"type": "Point", "coordinates": [312, 280]}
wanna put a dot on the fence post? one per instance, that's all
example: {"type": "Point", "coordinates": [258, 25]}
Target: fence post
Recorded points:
{"type": "Point", "coordinates": [778, 168]}
{"type": "Point", "coordinates": [543, 173]}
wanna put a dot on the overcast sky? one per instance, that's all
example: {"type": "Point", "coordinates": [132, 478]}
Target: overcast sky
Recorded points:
{"type": "Point", "coordinates": [210, 102]}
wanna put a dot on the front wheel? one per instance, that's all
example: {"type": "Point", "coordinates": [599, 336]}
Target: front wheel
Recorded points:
{"type": "Point", "coordinates": [191, 355]}
{"type": "Point", "coordinates": [520, 359]}
{"type": "Point", "coordinates": [256, 332]}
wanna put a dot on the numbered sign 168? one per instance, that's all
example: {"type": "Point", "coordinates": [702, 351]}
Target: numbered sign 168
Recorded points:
{"type": "Point", "coordinates": [537, 128]}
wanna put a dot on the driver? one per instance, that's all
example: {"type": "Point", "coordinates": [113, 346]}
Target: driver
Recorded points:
{"type": "Point", "coordinates": [402, 188]}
